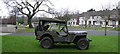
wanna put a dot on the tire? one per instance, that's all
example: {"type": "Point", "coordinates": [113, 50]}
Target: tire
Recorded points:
{"type": "Point", "coordinates": [82, 44]}
{"type": "Point", "coordinates": [68, 43]}
{"type": "Point", "coordinates": [46, 42]}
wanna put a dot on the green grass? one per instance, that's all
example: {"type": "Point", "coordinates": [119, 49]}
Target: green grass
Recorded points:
{"type": "Point", "coordinates": [30, 44]}
{"type": "Point", "coordinates": [73, 26]}
{"type": "Point", "coordinates": [0, 44]}
{"type": "Point", "coordinates": [117, 29]}
{"type": "Point", "coordinates": [32, 29]}
{"type": "Point", "coordinates": [25, 30]}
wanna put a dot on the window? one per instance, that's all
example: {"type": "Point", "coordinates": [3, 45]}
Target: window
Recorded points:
{"type": "Point", "coordinates": [90, 17]}
{"type": "Point", "coordinates": [73, 22]}
{"type": "Point", "coordinates": [69, 23]}
{"type": "Point", "coordinates": [101, 22]}
{"type": "Point", "coordinates": [106, 23]}
{"type": "Point", "coordinates": [81, 18]}
{"type": "Point", "coordinates": [94, 22]}
{"type": "Point", "coordinates": [112, 16]}
{"type": "Point", "coordinates": [89, 22]}
{"type": "Point", "coordinates": [119, 23]}
{"type": "Point", "coordinates": [55, 27]}
{"type": "Point", "coordinates": [82, 22]}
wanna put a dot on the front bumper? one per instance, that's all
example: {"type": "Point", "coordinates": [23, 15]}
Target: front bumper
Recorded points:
{"type": "Point", "coordinates": [89, 40]}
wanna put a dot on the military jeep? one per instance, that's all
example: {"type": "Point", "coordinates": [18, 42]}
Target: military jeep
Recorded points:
{"type": "Point", "coordinates": [50, 31]}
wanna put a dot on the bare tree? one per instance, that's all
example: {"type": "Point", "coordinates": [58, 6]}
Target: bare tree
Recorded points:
{"type": "Point", "coordinates": [63, 14]}
{"type": "Point", "coordinates": [28, 7]}
{"type": "Point", "coordinates": [57, 14]}
{"type": "Point", "coordinates": [106, 13]}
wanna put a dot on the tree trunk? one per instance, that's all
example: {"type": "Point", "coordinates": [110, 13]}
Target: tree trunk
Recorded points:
{"type": "Point", "coordinates": [29, 22]}
{"type": "Point", "coordinates": [105, 27]}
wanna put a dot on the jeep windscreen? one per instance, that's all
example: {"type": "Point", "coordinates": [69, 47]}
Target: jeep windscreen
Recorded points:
{"type": "Point", "coordinates": [57, 27]}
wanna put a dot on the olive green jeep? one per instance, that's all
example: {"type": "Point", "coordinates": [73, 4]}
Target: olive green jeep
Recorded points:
{"type": "Point", "coordinates": [50, 31]}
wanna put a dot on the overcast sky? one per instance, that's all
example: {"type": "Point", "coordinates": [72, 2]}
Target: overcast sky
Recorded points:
{"type": "Point", "coordinates": [81, 5]}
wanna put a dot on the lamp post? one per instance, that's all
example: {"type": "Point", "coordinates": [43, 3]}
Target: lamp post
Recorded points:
{"type": "Point", "coordinates": [15, 14]}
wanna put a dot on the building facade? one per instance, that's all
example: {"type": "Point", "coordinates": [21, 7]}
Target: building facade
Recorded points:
{"type": "Point", "coordinates": [97, 19]}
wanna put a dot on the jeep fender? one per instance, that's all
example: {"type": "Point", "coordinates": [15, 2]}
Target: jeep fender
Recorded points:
{"type": "Point", "coordinates": [46, 35]}
{"type": "Point", "coordinates": [77, 37]}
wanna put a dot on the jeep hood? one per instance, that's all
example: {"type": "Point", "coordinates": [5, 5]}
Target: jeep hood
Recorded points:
{"type": "Point", "coordinates": [77, 32]}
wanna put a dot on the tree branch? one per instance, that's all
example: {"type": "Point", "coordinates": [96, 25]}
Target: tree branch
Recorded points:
{"type": "Point", "coordinates": [47, 5]}
{"type": "Point", "coordinates": [19, 4]}
{"type": "Point", "coordinates": [39, 5]}
{"type": "Point", "coordinates": [20, 9]}
{"type": "Point", "coordinates": [36, 3]}
{"type": "Point", "coordinates": [28, 10]}
{"type": "Point", "coordinates": [29, 4]}
{"type": "Point", "coordinates": [44, 11]}
{"type": "Point", "coordinates": [50, 2]}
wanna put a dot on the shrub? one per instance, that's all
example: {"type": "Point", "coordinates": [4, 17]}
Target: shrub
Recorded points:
{"type": "Point", "coordinates": [117, 29]}
{"type": "Point", "coordinates": [20, 20]}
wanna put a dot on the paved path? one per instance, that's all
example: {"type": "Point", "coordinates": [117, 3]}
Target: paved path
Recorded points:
{"type": "Point", "coordinates": [90, 33]}
{"type": "Point", "coordinates": [7, 28]}
{"type": "Point", "coordinates": [99, 32]}
{"type": "Point", "coordinates": [1, 34]}
{"type": "Point", "coordinates": [23, 34]}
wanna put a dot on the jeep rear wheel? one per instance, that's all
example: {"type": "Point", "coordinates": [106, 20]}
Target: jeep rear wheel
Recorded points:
{"type": "Point", "coordinates": [47, 42]}
{"type": "Point", "coordinates": [82, 44]}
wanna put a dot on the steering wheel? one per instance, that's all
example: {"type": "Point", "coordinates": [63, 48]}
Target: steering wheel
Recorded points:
{"type": "Point", "coordinates": [62, 29]}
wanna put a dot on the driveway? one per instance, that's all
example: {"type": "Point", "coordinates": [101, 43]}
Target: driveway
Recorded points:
{"type": "Point", "coordinates": [98, 32]}
{"type": "Point", "coordinates": [1, 34]}
{"type": "Point", "coordinates": [7, 28]}
{"type": "Point", "coordinates": [90, 33]}
{"type": "Point", "coordinates": [22, 34]}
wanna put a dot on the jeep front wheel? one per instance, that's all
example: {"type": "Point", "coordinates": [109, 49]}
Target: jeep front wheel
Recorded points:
{"type": "Point", "coordinates": [82, 44]}
{"type": "Point", "coordinates": [46, 42]}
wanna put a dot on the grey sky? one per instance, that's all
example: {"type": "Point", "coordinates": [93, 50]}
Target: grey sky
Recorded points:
{"type": "Point", "coordinates": [81, 5]}
{"type": "Point", "coordinates": [3, 10]}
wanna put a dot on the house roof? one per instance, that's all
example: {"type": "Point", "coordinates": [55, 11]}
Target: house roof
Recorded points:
{"type": "Point", "coordinates": [100, 13]}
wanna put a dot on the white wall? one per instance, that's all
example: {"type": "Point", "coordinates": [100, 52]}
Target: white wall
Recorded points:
{"type": "Point", "coordinates": [98, 20]}
{"type": "Point", "coordinates": [81, 21]}
{"type": "Point", "coordinates": [72, 22]}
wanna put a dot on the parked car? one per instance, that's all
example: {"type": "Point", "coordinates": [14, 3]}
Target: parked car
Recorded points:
{"type": "Point", "coordinates": [27, 26]}
{"type": "Point", "coordinates": [50, 31]}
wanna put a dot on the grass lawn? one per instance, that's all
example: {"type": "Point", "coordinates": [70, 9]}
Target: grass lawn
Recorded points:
{"type": "Point", "coordinates": [0, 44]}
{"type": "Point", "coordinates": [30, 44]}
{"type": "Point", "coordinates": [32, 29]}
{"type": "Point", "coordinates": [26, 30]}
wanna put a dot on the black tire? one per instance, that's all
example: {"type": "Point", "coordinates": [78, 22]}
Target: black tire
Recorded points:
{"type": "Point", "coordinates": [68, 43]}
{"type": "Point", "coordinates": [46, 42]}
{"type": "Point", "coordinates": [82, 44]}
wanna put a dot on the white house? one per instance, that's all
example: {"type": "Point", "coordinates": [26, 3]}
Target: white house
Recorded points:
{"type": "Point", "coordinates": [95, 18]}
{"type": "Point", "coordinates": [72, 22]}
